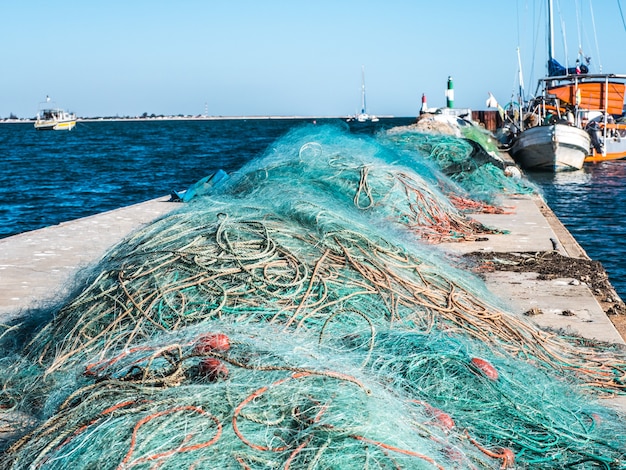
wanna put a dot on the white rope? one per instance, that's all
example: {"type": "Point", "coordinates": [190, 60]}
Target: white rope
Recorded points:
{"type": "Point", "coordinates": [579, 31]}
{"type": "Point", "coordinates": [563, 34]}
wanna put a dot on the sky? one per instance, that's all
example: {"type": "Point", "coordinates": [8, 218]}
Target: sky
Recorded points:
{"type": "Point", "coordinates": [288, 57]}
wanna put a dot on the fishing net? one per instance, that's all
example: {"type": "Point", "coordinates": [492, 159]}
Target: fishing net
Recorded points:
{"type": "Point", "coordinates": [470, 161]}
{"type": "Point", "coordinates": [264, 399]}
{"type": "Point", "coordinates": [393, 187]}
{"type": "Point", "coordinates": [295, 318]}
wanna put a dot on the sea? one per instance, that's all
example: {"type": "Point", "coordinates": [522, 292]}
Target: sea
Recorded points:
{"type": "Point", "coordinates": [50, 177]}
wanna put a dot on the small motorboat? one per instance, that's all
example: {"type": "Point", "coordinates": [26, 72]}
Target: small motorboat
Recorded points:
{"type": "Point", "coordinates": [54, 119]}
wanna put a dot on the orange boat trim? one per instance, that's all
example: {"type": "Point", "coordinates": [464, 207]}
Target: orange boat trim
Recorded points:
{"type": "Point", "coordinates": [593, 95]}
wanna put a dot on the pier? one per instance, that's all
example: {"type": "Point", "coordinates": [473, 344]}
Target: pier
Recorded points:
{"type": "Point", "coordinates": [37, 267]}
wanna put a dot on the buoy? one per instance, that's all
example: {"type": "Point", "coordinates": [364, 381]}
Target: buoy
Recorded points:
{"type": "Point", "coordinates": [212, 369]}
{"type": "Point", "coordinates": [486, 368]}
{"type": "Point", "coordinates": [450, 94]}
{"type": "Point", "coordinates": [443, 418]}
{"type": "Point", "coordinates": [512, 172]}
{"type": "Point", "coordinates": [211, 342]}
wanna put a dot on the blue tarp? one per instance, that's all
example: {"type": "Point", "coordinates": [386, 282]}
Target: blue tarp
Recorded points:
{"type": "Point", "coordinates": [201, 187]}
{"type": "Point", "coordinates": [556, 70]}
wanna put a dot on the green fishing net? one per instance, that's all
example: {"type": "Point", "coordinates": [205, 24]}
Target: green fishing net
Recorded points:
{"type": "Point", "coordinates": [301, 315]}
{"type": "Point", "coordinates": [471, 161]}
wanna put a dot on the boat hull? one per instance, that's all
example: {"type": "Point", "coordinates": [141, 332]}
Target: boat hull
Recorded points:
{"type": "Point", "coordinates": [613, 145]}
{"type": "Point", "coordinates": [55, 125]}
{"type": "Point", "coordinates": [557, 147]}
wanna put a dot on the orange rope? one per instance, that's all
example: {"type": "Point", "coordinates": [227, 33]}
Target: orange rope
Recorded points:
{"type": "Point", "coordinates": [160, 455]}
{"type": "Point", "coordinates": [398, 450]}
{"type": "Point", "coordinates": [118, 406]}
{"type": "Point", "coordinates": [296, 452]}
{"type": "Point", "coordinates": [244, 465]}
{"type": "Point", "coordinates": [506, 455]}
{"type": "Point", "coordinates": [81, 429]}
{"type": "Point", "coordinates": [252, 396]}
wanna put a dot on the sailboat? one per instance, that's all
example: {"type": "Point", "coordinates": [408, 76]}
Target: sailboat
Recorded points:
{"type": "Point", "coordinates": [574, 118]}
{"type": "Point", "coordinates": [363, 116]}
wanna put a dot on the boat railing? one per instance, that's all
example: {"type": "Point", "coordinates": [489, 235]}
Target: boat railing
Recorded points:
{"type": "Point", "coordinates": [584, 77]}
{"type": "Point", "coordinates": [544, 108]}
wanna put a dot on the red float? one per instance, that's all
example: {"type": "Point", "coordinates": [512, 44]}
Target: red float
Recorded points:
{"type": "Point", "coordinates": [211, 342]}
{"type": "Point", "coordinates": [443, 418]}
{"type": "Point", "coordinates": [486, 368]}
{"type": "Point", "coordinates": [213, 369]}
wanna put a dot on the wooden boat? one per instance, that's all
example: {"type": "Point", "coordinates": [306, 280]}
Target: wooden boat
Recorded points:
{"type": "Point", "coordinates": [581, 120]}
{"type": "Point", "coordinates": [599, 101]}
{"type": "Point", "coordinates": [577, 117]}
{"type": "Point", "coordinates": [556, 147]}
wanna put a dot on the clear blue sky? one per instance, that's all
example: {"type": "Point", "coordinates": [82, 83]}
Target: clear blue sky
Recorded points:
{"type": "Point", "coordinates": [285, 57]}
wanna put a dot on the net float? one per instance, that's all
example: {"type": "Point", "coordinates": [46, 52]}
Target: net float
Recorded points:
{"type": "Point", "coordinates": [486, 368]}
{"type": "Point", "coordinates": [211, 342]}
{"type": "Point", "coordinates": [213, 369]}
{"type": "Point", "coordinates": [443, 418]}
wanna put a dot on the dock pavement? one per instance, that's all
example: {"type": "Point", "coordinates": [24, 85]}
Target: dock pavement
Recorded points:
{"type": "Point", "coordinates": [37, 267]}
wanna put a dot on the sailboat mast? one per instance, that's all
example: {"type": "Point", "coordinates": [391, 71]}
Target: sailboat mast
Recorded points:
{"type": "Point", "coordinates": [550, 31]}
{"type": "Point", "coordinates": [520, 98]}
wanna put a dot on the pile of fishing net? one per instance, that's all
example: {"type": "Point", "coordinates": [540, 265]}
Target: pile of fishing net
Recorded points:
{"type": "Point", "coordinates": [468, 156]}
{"type": "Point", "coordinates": [296, 319]}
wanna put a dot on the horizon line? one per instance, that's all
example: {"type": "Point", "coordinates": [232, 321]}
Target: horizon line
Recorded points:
{"type": "Point", "coordinates": [162, 117]}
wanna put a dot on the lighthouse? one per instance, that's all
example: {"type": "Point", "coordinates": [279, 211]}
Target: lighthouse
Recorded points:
{"type": "Point", "coordinates": [450, 94]}
{"type": "Point", "coordinates": [424, 108]}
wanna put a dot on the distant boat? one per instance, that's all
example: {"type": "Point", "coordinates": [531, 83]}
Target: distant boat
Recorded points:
{"type": "Point", "coordinates": [50, 118]}
{"type": "Point", "coordinates": [363, 116]}
{"type": "Point", "coordinates": [577, 118]}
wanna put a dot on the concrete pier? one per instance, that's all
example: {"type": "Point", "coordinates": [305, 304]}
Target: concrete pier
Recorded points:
{"type": "Point", "coordinates": [37, 267]}
{"type": "Point", "coordinates": [531, 227]}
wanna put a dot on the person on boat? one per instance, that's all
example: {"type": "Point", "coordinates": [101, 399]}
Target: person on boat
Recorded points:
{"type": "Point", "coordinates": [593, 129]}
{"type": "Point", "coordinates": [530, 120]}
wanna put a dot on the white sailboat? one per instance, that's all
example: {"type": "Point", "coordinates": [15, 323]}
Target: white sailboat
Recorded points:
{"type": "Point", "coordinates": [363, 116]}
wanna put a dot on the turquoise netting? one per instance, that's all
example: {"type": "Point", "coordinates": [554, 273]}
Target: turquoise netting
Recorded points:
{"type": "Point", "coordinates": [301, 315]}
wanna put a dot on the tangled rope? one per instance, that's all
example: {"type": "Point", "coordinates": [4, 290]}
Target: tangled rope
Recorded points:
{"type": "Point", "coordinates": [292, 325]}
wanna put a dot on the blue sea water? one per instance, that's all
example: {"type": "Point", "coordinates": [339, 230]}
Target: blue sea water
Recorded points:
{"type": "Point", "coordinates": [592, 205]}
{"type": "Point", "coordinates": [50, 177]}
